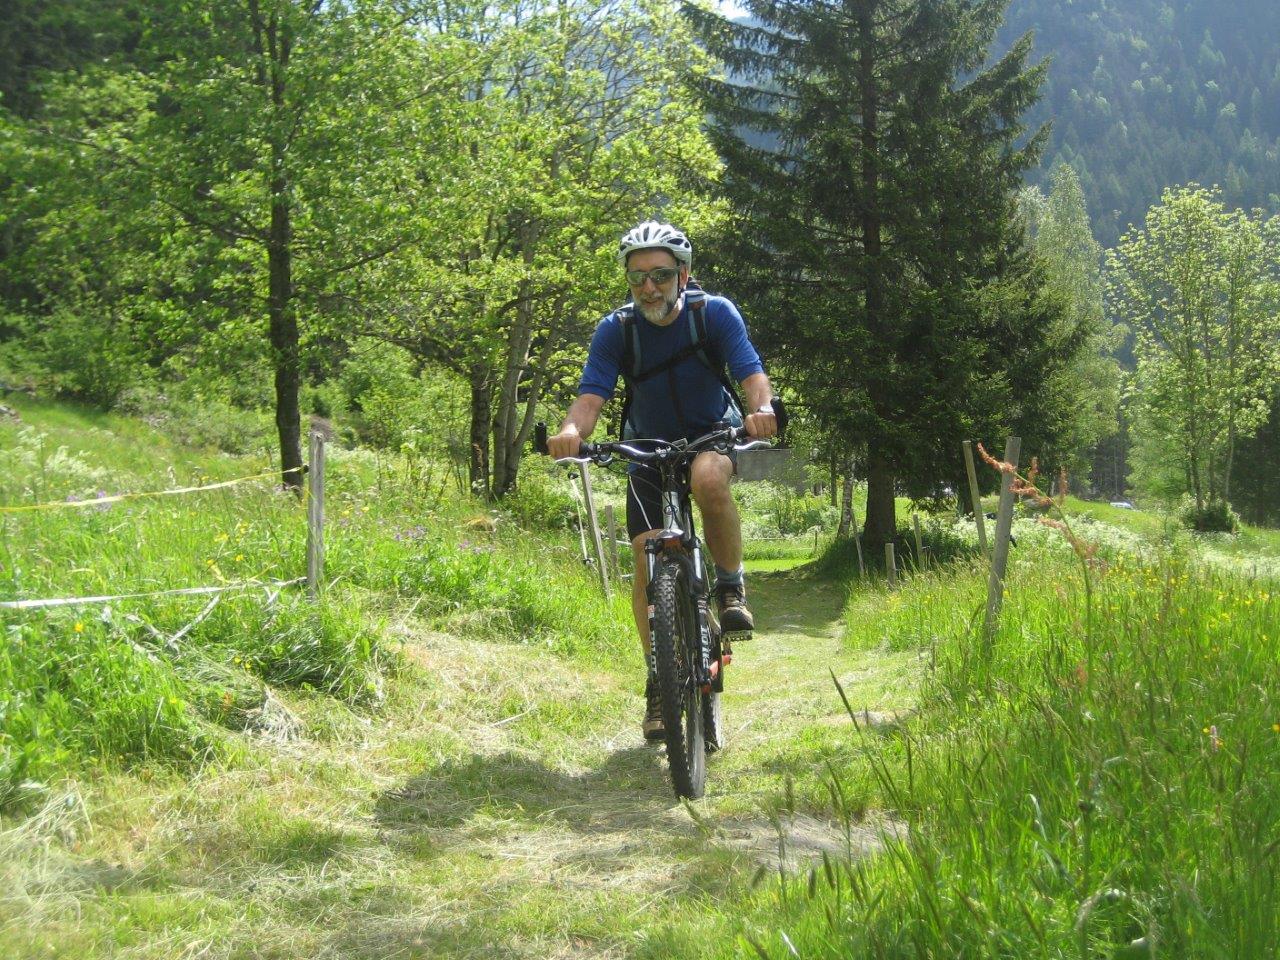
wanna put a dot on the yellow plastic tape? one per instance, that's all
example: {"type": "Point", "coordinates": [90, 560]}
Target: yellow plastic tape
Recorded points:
{"type": "Point", "coordinates": [183, 591]}
{"type": "Point", "coordinates": [62, 504]}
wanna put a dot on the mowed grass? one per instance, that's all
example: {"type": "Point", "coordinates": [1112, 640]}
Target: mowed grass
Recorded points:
{"type": "Point", "coordinates": [1104, 782]}
{"type": "Point", "coordinates": [168, 679]}
{"type": "Point", "coordinates": [428, 762]}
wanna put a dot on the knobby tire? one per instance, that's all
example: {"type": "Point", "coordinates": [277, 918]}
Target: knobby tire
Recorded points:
{"type": "Point", "coordinates": [674, 638]}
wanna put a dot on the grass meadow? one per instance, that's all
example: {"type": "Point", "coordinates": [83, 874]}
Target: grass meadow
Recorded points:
{"type": "Point", "coordinates": [1099, 781]}
{"type": "Point", "coordinates": [1102, 784]}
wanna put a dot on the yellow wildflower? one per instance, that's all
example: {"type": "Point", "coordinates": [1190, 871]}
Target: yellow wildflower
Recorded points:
{"type": "Point", "coordinates": [79, 627]}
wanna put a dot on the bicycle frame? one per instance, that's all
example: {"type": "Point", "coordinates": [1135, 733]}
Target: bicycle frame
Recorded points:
{"type": "Point", "coordinates": [679, 540]}
{"type": "Point", "coordinates": [688, 672]}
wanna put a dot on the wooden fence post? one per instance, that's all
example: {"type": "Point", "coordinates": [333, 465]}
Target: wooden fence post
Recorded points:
{"type": "Point", "coordinates": [611, 526]}
{"type": "Point", "coordinates": [857, 541]}
{"type": "Point", "coordinates": [976, 498]}
{"type": "Point", "coordinates": [1000, 554]}
{"type": "Point", "coordinates": [890, 567]}
{"type": "Point", "coordinates": [315, 517]}
{"type": "Point", "coordinates": [915, 522]}
{"type": "Point", "coordinates": [595, 530]}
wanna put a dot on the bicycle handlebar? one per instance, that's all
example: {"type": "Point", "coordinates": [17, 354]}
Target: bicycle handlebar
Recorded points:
{"type": "Point", "coordinates": [720, 439]}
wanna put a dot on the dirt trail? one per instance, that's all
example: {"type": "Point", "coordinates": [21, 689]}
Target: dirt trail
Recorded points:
{"type": "Point", "coordinates": [502, 804]}
{"type": "Point", "coordinates": [597, 821]}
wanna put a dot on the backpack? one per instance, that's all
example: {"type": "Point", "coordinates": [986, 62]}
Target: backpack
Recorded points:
{"type": "Point", "coordinates": [700, 346]}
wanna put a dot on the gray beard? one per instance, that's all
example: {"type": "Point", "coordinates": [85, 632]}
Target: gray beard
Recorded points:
{"type": "Point", "coordinates": [656, 314]}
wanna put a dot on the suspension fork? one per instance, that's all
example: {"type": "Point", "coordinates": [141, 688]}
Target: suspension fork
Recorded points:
{"type": "Point", "coordinates": [674, 542]}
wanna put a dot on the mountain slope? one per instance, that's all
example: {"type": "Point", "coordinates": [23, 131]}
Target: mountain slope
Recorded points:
{"type": "Point", "coordinates": [1144, 94]}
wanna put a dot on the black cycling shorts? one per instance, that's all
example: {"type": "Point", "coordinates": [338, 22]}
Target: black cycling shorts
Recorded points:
{"type": "Point", "coordinates": [644, 498]}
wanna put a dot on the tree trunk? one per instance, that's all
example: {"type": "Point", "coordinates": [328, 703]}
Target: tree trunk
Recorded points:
{"type": "Point", "coordinates": [1193, 469]}
{"type": "Point", "coordinates": [871, 218]}
{"type": "Point", "coordinates": [282, 318]}
{"type": "Point", "coordinates": [506, 450]}
{"type": "Point", "coordinates": [481, 405]}
{"type": "Point", "coordinates": [846, 503]}
{"type": "Point", "coordinates": [1231, 457]}
{"type": "Point", "coordinates": [881, 522]}
{"type": "Point", "coordinates": [283, 324]}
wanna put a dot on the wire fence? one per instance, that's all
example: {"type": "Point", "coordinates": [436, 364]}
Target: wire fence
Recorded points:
{"type": "Point", "coordinates": [315, 536]}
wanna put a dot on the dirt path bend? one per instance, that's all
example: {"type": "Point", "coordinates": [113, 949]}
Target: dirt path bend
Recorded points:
{"type": "Point", "coordinates": [503, 805]}
{"type": "Point", "coordinates": [593, 826]}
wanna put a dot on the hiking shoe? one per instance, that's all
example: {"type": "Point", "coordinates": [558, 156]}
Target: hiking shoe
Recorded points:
{"type": "Point", "coordinates": [731, 604]}
{"type": "Point", "coordinates": [652, 726]}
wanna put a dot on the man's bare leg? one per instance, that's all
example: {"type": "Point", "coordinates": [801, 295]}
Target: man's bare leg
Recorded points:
{"type": "Point", "coordinates": [722, 530]}
{"type": "Point", "coordinates": [721, 527]}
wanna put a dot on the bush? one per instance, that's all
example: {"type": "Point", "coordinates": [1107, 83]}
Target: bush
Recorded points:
{"type": "Point", "coordinates": [541, 501]}
{"type": "Point", "coordinates": [944, 541]}
{"type": "Point", "coordinates": [37, 471]}
{"type": "Point", "coordinates": [72, 688]}
{"type": "Point", "coordinates": [327, 646]}
{"type": "Point", "coordinates": [200, 422]}
{"type": "Point", "coordinates": [106, 688]}
{"type": "Point", "coordinates": [774, 509]}
{"type": "Point", "coordinates": [80, 354]}
{"type": "Point", "coordinates": [1215, 516]}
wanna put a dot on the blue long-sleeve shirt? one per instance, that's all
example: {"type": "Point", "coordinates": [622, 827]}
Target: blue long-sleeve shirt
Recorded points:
{"type": "Point", "coordinates": [702, 398]}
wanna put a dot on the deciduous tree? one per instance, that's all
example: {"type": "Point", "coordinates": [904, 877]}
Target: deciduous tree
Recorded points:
{"type": "Point", "coordinates": [1198, 287]}
{"type": "Point", "coordinates": [266, 157]}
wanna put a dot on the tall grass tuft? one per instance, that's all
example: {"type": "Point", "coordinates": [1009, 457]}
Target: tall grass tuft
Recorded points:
{"type": "Point", "coordinates": [1053, 810]}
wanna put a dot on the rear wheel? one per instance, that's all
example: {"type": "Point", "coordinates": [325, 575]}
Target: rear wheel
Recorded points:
{"type": "Point", "coordinates": [675, 643]}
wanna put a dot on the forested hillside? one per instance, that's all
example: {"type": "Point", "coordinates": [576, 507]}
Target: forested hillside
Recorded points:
{"type": "Point", "coordinates": [1147, 93]}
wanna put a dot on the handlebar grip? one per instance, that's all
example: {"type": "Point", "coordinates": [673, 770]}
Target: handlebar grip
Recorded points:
{"type": "Point", "coordinates": [540, 438]}
{"type": "Point", "coordinates": [780, 412]}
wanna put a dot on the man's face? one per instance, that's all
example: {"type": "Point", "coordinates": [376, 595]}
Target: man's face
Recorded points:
{"type": "Point", "coordinates": [656, 300]}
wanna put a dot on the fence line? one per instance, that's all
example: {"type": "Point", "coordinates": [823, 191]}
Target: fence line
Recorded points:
{"type": "Point", "coordinates": [115, 498]}
{"type": "Point", "coordinates": [182, 591]}
{"type": "Point", "coordinates": [315, 538]}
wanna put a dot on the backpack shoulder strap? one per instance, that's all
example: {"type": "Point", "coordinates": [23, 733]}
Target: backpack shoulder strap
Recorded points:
{"type": "Point", "coordinates": [708, 355]}
{"type": "Point", "coordinates": [631, 358]}
{"type": "Point", "coordinates": [629, 366]}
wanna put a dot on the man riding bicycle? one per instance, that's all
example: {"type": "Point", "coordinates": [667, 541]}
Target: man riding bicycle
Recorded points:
{"type": "Point", "coordinates": [671, 345]}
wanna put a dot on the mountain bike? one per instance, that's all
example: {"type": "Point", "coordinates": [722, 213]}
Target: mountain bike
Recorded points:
{"type": "Point", "coordinates": [688, 652]}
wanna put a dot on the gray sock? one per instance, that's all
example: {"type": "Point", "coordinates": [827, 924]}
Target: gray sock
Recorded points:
{"type": "Point", "coordinates": [729, 578]}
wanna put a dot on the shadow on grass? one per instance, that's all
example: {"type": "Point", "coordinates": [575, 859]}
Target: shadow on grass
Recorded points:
{"type": "Point", "coordinates": [631, 786]}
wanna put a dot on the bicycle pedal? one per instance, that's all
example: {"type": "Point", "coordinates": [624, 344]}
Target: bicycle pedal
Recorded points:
{"type": "Point", "coordinates": [734, 636]}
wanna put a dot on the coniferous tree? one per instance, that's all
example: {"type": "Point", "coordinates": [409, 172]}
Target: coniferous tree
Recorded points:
{"type": "Point", "coordinates": [1089, 389]}
{"type": "Point", "coordinates": [872, 154]}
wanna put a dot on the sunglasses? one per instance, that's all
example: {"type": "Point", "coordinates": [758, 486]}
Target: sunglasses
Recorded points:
{"type": "Point", "coordinates": [659, 275]}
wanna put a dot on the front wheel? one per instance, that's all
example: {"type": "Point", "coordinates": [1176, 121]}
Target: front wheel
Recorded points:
{"type": "Point", "coordinates": [675, 645]}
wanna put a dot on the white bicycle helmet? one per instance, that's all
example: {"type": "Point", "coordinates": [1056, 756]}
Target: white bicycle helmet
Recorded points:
{"type": "Point", "coordinates": [652, 235]}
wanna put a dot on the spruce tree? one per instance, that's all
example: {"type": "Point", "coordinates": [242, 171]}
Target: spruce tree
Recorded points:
{"type": "Point", "coordinates": [871, 159]}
